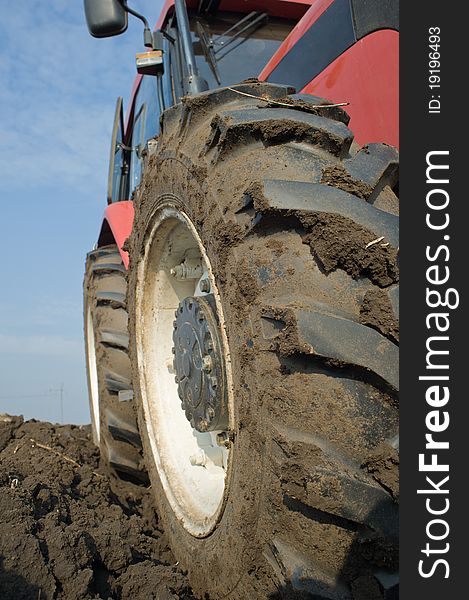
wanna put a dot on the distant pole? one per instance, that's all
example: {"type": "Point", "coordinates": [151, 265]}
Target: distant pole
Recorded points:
{"type": "Point", "coordinates": [62, 403]}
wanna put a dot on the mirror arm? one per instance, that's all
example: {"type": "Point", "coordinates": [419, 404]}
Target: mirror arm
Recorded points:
{"type": "Point", "coordinates": [147, 35]}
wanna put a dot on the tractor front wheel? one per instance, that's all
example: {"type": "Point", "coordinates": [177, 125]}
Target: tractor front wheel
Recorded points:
{"type": "Point", "coordinates": [263, 324]}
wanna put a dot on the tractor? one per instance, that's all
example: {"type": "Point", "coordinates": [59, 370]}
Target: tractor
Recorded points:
{"type": "Point", "coordinates": [241, 303]}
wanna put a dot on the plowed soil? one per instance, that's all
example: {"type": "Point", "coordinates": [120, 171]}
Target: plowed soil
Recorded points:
{"type": "Point", "coordinates": [68, 530]}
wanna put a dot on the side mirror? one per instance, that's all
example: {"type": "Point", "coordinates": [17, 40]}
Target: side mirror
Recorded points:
{"type": "Point", "coordinates": [105, 18]}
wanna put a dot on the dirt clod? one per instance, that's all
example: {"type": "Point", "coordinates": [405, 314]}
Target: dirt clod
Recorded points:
{"type": "Point", "coordinates": [381, 464]}
{"type": "Point", "coordinates": [67, 530]}
{"type": "Point", "coordinates": [376, 312]}
{"type": "Point", "coordinates": [339, 243]}
{"type": "Point", "coordinates": [338, 177]}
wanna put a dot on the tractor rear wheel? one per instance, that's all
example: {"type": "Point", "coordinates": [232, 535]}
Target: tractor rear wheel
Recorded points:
{"type": "Point", "coordinates": [263, 297]}
{"type": "Point", "coordinates": [110, 392]}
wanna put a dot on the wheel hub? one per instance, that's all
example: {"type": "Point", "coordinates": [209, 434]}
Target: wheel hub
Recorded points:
{"type": "Point", "coordinates": [198, 364]}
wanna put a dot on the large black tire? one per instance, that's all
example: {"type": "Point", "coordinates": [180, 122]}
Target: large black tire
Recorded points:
{"type": "Point", "coordinates": [306, 264]}
{"type": "Point", "coordinates": [113, 416]}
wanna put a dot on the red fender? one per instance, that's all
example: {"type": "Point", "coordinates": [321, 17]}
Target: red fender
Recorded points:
{"type": "Point", "coordinates": [367, 76]}
{"type": "Point", "coordinates": [118, 221]}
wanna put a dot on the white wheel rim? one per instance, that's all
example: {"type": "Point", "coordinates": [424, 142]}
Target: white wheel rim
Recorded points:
{"type": "Point", "coordinates": [92, 371]}
{"type": "Point", "coordinates": [196, 492]}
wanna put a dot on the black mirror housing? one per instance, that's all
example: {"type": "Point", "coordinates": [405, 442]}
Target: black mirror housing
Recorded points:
{"type": "Point", "coordinates": [105, 18]}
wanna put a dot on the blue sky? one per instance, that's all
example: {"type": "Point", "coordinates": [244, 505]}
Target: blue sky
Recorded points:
{"type": "Point", "coordinates": [58, 88]}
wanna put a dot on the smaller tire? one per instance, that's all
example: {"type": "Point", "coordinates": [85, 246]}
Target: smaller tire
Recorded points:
{"type": "Point", "coordinates": [113, 419]}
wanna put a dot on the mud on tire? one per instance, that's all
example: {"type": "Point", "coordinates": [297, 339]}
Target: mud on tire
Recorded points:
{"type": "Point", "coordinates": [113, 416]}
{"type": "Point", "coordinates": [302, 234]}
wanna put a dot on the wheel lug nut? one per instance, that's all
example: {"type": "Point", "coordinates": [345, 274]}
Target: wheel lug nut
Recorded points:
{"type": "Point", "coordinates": [198, 459]}
{"type": "Point", "coordinates": [207, 363]}
{"type": "Point", "coordinates": [205, 285]}
{"type": "Point", "coordinates": [223, 439]}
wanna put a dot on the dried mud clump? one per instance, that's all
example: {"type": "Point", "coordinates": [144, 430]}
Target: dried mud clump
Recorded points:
{"type": "Point", "coordinates": [280, 328]}
{"type": "Point", "coordinates": [382, 466]}
{"type": "Point", "coordinates": [340, 243]}
{"type": "Point", "coordinates": [67, 530]}
{"type": "Point", "coordinates": [198, 102]}
{"type": "Point", "coordinates": [377, 312]}
{"type": "Point", "coordinates": [338, 177]}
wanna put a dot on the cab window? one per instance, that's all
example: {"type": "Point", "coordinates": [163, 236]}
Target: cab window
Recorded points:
{"type": "Point", "coordinates": [239, 58]}
{"type": "Point", "coordinates": [146, 125]}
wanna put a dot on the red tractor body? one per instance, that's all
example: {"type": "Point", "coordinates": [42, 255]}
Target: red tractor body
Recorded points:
{"type": "Point", "coordinates": [340, 50]}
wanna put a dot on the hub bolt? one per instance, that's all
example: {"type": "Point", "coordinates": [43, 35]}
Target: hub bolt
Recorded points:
{"type": "Point", "coordinates": [205, 285]}
{"type": "Point", "coordinates": [223, 439]}
{"type": "Point", "coordinates": [207, 363]}
{"type": "Point", "coordinates": [199, 459]}
{"type": "Point", "coordinates": [184, 271]}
